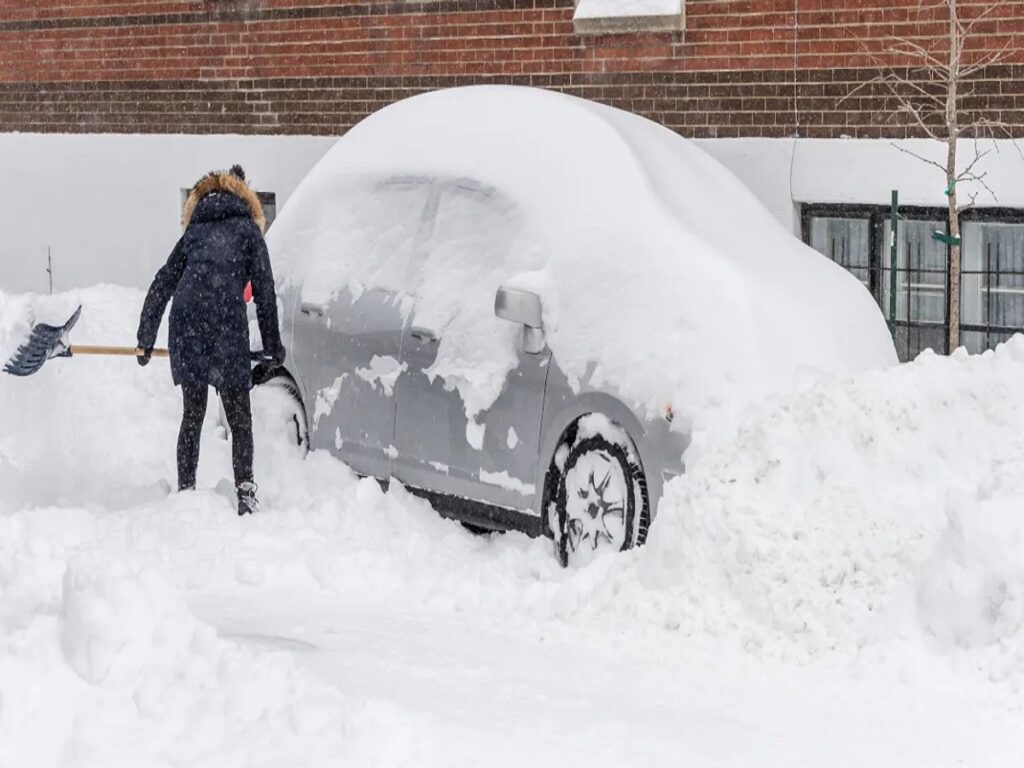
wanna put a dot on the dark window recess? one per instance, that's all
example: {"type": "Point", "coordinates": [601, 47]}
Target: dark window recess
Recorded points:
{"type": "Point", "coordinates": [847, 241]}
{"type": "Point", "coordinates": [992, 283]}
{"type": "Point", "coordinates": [269, 202]}
{"type": "Point", "coordinates": [992, 270]}
{"type": "Point", "coordinates": [922, 278]}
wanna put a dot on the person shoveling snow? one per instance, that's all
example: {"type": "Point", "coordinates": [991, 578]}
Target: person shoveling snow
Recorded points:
{"type": "Point", "coordinates": [221, 250]}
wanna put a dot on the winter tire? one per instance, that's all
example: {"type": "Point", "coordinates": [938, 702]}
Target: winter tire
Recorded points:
{"type": "Point", "coordinates": [600, 500]}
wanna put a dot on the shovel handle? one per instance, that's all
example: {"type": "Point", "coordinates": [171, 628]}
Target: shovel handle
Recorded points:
{"type": "Point", "coordinates": [82, 349]}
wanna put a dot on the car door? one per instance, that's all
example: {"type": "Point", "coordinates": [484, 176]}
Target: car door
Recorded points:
{"type": "Point", "coordinates": [493, 458]}
{"type": "Point", "coordinates": [358, 329]}
{"type": "Point", "coordinates": [354, 412]}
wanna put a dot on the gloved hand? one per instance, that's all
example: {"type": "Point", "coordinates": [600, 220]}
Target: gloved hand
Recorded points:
{"type": "Point", "coordinates": [143, 359]}
{"type": "Point", "coordinates": [276, 360]}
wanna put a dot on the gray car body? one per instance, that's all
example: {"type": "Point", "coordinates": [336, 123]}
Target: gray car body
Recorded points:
{"type": "Point", "coordinates": [402, 423]}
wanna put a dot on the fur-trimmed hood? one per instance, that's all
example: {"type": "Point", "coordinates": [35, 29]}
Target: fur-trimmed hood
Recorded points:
{"type": "Point", "coordinates": [223, 181]}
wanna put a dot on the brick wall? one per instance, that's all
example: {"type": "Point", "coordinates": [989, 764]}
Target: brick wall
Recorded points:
{"type": "Point", "coordinates": [750, 68]}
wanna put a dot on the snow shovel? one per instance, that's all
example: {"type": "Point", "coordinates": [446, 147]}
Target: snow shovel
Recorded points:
{"type": "Point", "coordinates": [48, 341]}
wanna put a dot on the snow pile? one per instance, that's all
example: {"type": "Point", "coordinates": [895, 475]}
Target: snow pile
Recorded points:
{"type": "Point", "coordinates": [101, 660]}
{"type": "Point", "coordinates": [865, 527]}
{"type": "Point", "coordinates": [832, 517]}
{"type": "Point", "coordinates": [62, 430]}
{"type": "Point", "coordinates": [970, 595]}
{"type": "Point", "coordinates": [660, 273]}
{"type": "Point", "coordinates": [869, 510]}
{"type": "Point", "coordinates": [112, 669]}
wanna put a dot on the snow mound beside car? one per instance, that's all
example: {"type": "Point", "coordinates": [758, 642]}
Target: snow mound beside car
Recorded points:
{"type": "Point", "coordinates": [863, 514]}
{"type": "Point", "coordinates": [114, 670]}
{"type": "Point", "coordinates": [661, 275]}
{"type": "Point", "coordinates": [970, 594]}
{"type": "Point", "coordinates": [868, 526]}
{"type": "Point", "coordinates": [830, 512]}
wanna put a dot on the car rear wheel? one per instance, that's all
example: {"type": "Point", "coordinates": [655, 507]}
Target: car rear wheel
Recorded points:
{"type": "Point", "coordinates": [600, 499]}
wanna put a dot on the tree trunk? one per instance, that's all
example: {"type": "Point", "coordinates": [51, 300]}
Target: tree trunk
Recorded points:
{"type": "Point", "coordinates": [954, 275]}
{"type": "Point", "coordinates": [953, 135]}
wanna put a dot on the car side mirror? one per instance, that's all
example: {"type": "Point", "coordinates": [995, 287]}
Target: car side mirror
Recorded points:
{"type": "Point", "coordinates": [524, 307]}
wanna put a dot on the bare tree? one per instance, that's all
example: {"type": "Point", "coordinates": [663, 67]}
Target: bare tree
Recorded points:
{"type": "Point", "coordinates": [929, 89]}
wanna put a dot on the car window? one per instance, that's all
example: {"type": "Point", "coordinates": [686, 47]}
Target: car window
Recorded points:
{"type": "Point", "coordinates": [468, 249]}
{"type": "Point", "coordinates": [378, 236]}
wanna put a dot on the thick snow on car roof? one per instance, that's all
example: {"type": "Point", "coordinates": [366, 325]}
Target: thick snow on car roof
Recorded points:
{"type": "Point", "coordinates": [661, 274]}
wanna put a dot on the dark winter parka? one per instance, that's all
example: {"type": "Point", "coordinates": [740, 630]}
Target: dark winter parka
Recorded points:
{"type": "Point", "coordinates": [221, 250]}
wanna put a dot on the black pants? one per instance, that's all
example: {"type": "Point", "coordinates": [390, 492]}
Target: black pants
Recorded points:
{"type": "Point", "coordinates": [239, 413]}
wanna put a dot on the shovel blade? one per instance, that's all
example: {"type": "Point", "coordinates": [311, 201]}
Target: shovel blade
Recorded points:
{"type": "Point", "coordinates": [44, 342]}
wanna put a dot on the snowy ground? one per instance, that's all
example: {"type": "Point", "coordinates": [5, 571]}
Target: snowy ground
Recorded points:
{"type": "Point", "coordinates": [841, 584]}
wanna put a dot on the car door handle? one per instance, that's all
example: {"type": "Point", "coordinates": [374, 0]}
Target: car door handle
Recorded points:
{"type": "Point", "coordinates": [309, 308]}
{"type": "Point", "coordinates": [424, 335]}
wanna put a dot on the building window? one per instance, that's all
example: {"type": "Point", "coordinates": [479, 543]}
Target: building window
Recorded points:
{"type": "Point", "coordinates": [847, 241]}
{"type": "Point", "coordinates": [992, 270]}
{"type": "Point", "coordinates": [922, 275]}
{"type": "Point", "coordinates": [992, 283]}
{"type": "Point", "coordinates": [269, 202]}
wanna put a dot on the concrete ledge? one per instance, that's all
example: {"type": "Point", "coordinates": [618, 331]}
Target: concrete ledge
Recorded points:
{"type": "Point", "coordinates": [621, 24]}
{"type": "Point", "coordinates": [590, 23]}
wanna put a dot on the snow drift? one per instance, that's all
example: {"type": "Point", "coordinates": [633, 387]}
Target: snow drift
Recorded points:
{"type": "Point", "coordinates": [116, 671]}
{"type": "Point", "coordinates": [660, 273]}
{"type": "Point", "coordinates": [863, 512]}
{"type": "Point", "coordinates": [868, 524]}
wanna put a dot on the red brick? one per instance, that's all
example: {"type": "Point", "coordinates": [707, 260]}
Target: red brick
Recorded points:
{"type": "Point", "coordinates": [133, 43]}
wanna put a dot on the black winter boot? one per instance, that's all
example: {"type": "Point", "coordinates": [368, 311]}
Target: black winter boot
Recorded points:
{"type": "Point", "coordinates": [247, 502]}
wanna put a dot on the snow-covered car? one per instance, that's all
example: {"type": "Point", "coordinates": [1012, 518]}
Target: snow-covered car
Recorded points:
{"type": "Point", "coordinates": [522, 305]}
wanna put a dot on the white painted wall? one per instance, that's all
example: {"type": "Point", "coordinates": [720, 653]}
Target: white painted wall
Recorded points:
{"type": "Point", "coordinates": [107, 206]}
{"type": "Point", "coordinates": [784, 172]}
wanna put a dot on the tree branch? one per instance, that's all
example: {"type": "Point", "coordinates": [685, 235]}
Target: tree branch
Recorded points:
{"type": "Point", "coordinates": [967, 206]}
{"type": "Point", "coordinates": [888, 75]}
{"type": "Point", "coordinates": [992, 128]}
{"type": "Point", "coordinates": [916, 156]}
{"type": "Point", "coordinates": [915, 50]}
{"type": "Point", "coordinates": [980, 179]}
{"type": "Point", "coordinates": [988, 60]}
{"type": "Point", "coordinates": [985, 13]}
{"type": "Point", "coordinates": [932, 100]}
{"type": "Point", "coordinates": [968, 172]}
{"type": "Point", "coordinates": [908, 107]}
{"type": "Point", "coordinates": [921, 91]}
